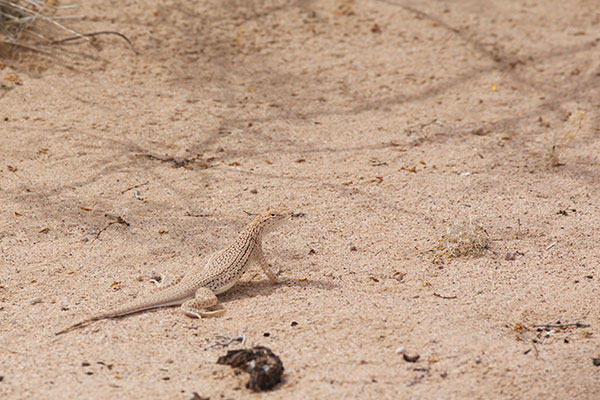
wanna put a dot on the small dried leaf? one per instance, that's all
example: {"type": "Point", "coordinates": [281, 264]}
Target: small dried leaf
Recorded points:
{"type": "Point", "coordinates": [14, 79]}
{"type": "Point", "coordinates": [45, 230]}
{"type": "Point", "coordinates": [85, 209]}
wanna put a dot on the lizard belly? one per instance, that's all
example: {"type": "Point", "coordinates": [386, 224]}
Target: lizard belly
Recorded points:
{"type": "Point", "coordinates": [226, 287]}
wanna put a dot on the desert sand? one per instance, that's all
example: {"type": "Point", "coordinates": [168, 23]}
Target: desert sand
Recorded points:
{"type": "Point", "coordinates": [390, 124]}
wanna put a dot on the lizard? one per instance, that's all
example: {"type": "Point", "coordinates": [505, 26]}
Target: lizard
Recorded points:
{"type": "Point", "coordinates": [197, 290]}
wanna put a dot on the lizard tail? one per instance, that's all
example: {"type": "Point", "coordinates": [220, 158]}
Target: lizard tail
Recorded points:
{"type": "Point", "coordinates": [77, 325]}
{"type": "Point", "coordinates": [169, 296]}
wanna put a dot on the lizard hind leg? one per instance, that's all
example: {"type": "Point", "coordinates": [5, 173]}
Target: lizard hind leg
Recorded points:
{"type": "Point", "coordinates": [197, 307]}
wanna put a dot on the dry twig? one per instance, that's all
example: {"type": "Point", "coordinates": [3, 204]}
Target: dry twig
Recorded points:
{"type": "Point", "coordinates": [572, 324]}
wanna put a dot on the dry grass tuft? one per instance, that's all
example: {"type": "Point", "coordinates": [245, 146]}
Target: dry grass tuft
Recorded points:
{"type": "Point", "coordinates": [32, 23]}
{"type": "Point", "coordinates": [464, 240]}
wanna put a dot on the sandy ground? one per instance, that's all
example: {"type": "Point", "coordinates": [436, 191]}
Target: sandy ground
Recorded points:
{"type": "Point", "coordinates": [386, 122]}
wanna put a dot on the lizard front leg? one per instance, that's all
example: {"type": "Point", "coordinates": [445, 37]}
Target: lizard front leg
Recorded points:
{"type": "Point", "coordinates": [264, 265]}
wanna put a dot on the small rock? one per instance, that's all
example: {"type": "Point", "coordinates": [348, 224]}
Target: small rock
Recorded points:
{"type": "Point", "coordinates": [1, 378]}
{"type": "Point", "coordinates": [253, 191]}
{"type": "Point", "coordinates": [596, 361]}
{"type": "Point", "coordinates": [353, 248]}
{"type": "Point", "coordinates": [401, 350]}
{"type": "Point", "coordinates": [266, 334]}
{"type": "Point", "coordinates": [136, 194]}
{"type": "Point", "coordinates": [37, 300]}
{"type": "Point", "coordinates": [85, 364]}
{"type": "Point", "coordinates": [294, 323]}
{"type": "Point", "coordinates": [510, 256]}
{"type": "Point", "coordinates": [410, 357]}
{"type": "Point", "coordinates": [479, 131]}
{"type": "Point", "coordinates": [399, 276]}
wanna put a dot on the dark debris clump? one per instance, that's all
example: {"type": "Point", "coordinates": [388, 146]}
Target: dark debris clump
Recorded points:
{"type": "Point", "coordinates": [264, 367]}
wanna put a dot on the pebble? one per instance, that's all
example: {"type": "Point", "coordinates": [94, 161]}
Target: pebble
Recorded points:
{"type": "Point", "coordinates": [411, 357]}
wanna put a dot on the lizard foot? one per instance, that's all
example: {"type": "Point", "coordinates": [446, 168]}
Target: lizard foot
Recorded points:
{"type": "Point", "coordinates": [203, 314]}
{"type": "Point", "coordinates": [197, 307]}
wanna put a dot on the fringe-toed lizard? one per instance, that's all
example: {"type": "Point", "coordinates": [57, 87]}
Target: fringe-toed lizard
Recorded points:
{"type": "Point", "coordinates": [197, 290]}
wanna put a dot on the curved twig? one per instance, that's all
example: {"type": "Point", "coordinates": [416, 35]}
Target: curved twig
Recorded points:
{"type": "Point", "coordinates": [84, 35]}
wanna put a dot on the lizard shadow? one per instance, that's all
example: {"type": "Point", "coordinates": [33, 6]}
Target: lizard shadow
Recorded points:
{"type": "Point", "coordinates": [250, 289]}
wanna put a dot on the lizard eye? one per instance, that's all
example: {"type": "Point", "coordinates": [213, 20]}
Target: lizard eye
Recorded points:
{"type": "Point", "coordinates": [272, 214]}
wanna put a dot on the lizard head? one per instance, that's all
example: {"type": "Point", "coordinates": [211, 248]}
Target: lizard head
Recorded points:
{"type": "Point", "coordinates": [271, 220]}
